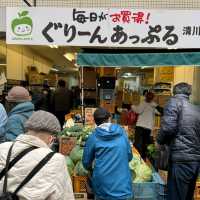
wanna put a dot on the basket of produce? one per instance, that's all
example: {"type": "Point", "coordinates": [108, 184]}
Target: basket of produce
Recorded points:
{"type": "Point", "coordinates": [68, 139]}
{"type": "Point", "coordinates": [147, 184]}
{"type": "Point", "coordinates": [79, 172]}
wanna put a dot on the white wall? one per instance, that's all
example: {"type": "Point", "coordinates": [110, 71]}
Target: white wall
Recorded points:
{"type": "Point", "coordinates": [196, 86]}
{"type": "Point", "coordinates": [184, 74]}
{"type": "Point", "coordinates": [189, 75]}
{"type": "Point", "coordinates": [19, 58]}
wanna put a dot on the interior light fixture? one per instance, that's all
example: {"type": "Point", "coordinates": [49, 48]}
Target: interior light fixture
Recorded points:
{"type": "Point", "coordinates": [76, 65]}
{"type": "Point", "coordinates": [3, 64]}
{"type": "Point", "coordinates": [54, 69]}
{"type": "Point", "coordinates": [144, 67]}
{"type": "Point", "coordinates": [69, 56]}
{"type": "Point", "coordinates": [53, 46]}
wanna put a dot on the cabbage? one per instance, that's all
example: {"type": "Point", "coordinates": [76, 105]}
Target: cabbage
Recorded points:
{"type": "Point", "coordinates": [76, 154]}
{"type": "Point", "coordinates": [70, 165]}
{"type": "Point", "coordinates": [141, 172]}
{"type": "Point", "coordinates": [80, 170]}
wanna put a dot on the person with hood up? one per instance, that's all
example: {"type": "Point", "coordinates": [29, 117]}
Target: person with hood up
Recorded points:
{"type": "Point", "coordinates": [108, 151]}
{"type": "Point", "coordinates": [21, 108]}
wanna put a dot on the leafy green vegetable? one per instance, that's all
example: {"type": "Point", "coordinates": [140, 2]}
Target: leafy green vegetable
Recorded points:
{"type": "Point", "coordinates": [86, 131]}
{"type": "Point", "coordinates": [80, 170]}
{"type": "Point", "coordinates": [70, 165]}
{"type": "Point", "coordinates": [76, 154]}
{"type": "Point", "coordinates": [151, 151]}
{"type": "Point", "coordinates": [141, 172]}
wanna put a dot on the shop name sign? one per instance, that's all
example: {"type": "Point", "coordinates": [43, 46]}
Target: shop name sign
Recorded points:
{"type": "Point", "coordinates": [104, 27]}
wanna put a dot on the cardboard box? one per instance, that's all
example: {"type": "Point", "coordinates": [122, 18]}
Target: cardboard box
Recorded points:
{"type": "Point", "coordinates": [66, 144]}
{"type": "Point", "coordinates": [107, 71]}
{"type": "Point", "coordinates": [89, 119]}
{"type": "Point", "coordinates": [108, 105]}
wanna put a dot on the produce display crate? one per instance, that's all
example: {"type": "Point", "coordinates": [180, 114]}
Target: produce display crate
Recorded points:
{"type": "Point", "coordinates": [197, 191]}
{"type": "Point", "coordinates": [80, 196]}
{"type": "Point", "coordinates": [66, 144]}
{"type": "Point", "coordinates": [155, 190]}
{"type": "Point", "coordinates": [79, 184]}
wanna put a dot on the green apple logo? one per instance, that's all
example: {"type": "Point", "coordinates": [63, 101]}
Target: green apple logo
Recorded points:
{"type": "Point", "coordinates": [23, 25]}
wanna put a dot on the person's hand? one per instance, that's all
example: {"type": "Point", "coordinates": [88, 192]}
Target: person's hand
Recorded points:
{"type": "Point", "coordinates": [157, 145]}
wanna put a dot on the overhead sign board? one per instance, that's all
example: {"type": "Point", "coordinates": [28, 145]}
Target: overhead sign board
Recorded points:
{"type": "Point", "coordinates": [131, 28]}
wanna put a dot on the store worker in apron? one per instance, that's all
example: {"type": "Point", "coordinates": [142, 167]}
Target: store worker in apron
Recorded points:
{"type": "Point", "coordinates": [146, 116]}
{"type": "Point", "coordinates": [107, 153]}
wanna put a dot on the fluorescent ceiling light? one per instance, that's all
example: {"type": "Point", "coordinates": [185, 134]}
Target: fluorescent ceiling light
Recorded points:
{"type": "Point", "coordinates": [53, 46]}
{"type": "Point", "coordinates": [76, 65]}
{"type": "Point", "coordinates": [69, 56]}
{"type": "Point", "coordinates": [144, 67]}
{"type": "Point", "coordinates": [54, 69]}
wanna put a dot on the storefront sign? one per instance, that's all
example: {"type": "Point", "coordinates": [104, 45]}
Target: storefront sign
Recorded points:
{"type": "Point", "coordinates": [2, 19]}
{"type": "Point", "coordinates": [104, 27]}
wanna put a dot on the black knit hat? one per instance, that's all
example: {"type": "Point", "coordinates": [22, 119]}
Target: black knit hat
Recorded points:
{"type": "Point", "coordinates": [101, 115]}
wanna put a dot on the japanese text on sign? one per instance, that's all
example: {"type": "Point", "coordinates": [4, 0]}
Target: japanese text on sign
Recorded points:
{"type": "Point", "coordinates": [103, 27]}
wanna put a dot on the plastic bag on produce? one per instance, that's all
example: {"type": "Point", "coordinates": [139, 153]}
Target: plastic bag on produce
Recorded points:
{"type": "Point", "coordinates": [70, 165]}
{"type": "Point", "coordinates": [76, 154]}
{"type": "Point", "coordinates": [79, 170]}
{"type": "Point", "coordinates": [69, 123]}
{"type": "Point", "coordinates": [141, 172]}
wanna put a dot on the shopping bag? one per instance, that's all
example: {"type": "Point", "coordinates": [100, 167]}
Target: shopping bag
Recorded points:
{"type": "Point", "coordinates": [163, 154]}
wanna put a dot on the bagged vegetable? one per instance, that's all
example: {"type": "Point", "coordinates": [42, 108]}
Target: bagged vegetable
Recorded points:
{"type": "Point", "coordinates": [80, 170]}
{"type": "Point", "coordinates": [141, 172]}
{"type": "Point", "coordinates": [76, 154]}
{"type": "Point", "coordinates": [70, 165]}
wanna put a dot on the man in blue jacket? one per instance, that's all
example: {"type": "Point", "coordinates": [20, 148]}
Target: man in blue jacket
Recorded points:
{"type": "Point", "coordinates": [108, 151]}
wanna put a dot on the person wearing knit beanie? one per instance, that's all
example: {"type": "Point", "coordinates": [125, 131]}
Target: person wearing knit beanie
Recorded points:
{"type": "Point", "coordinates": [20, 109]}
{"type": "Point", "coordinates": [52, 181]}
{"type": "Point", "coordinates": [18, 94]}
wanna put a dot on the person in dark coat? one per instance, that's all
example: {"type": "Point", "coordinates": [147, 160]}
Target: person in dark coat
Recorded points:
{"type": "Point", "coordinates": [180, 129]}
{"type": "Point", "coordinates": [61, 101]}
{"type": "Point", "coordinates": [109, 150]}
